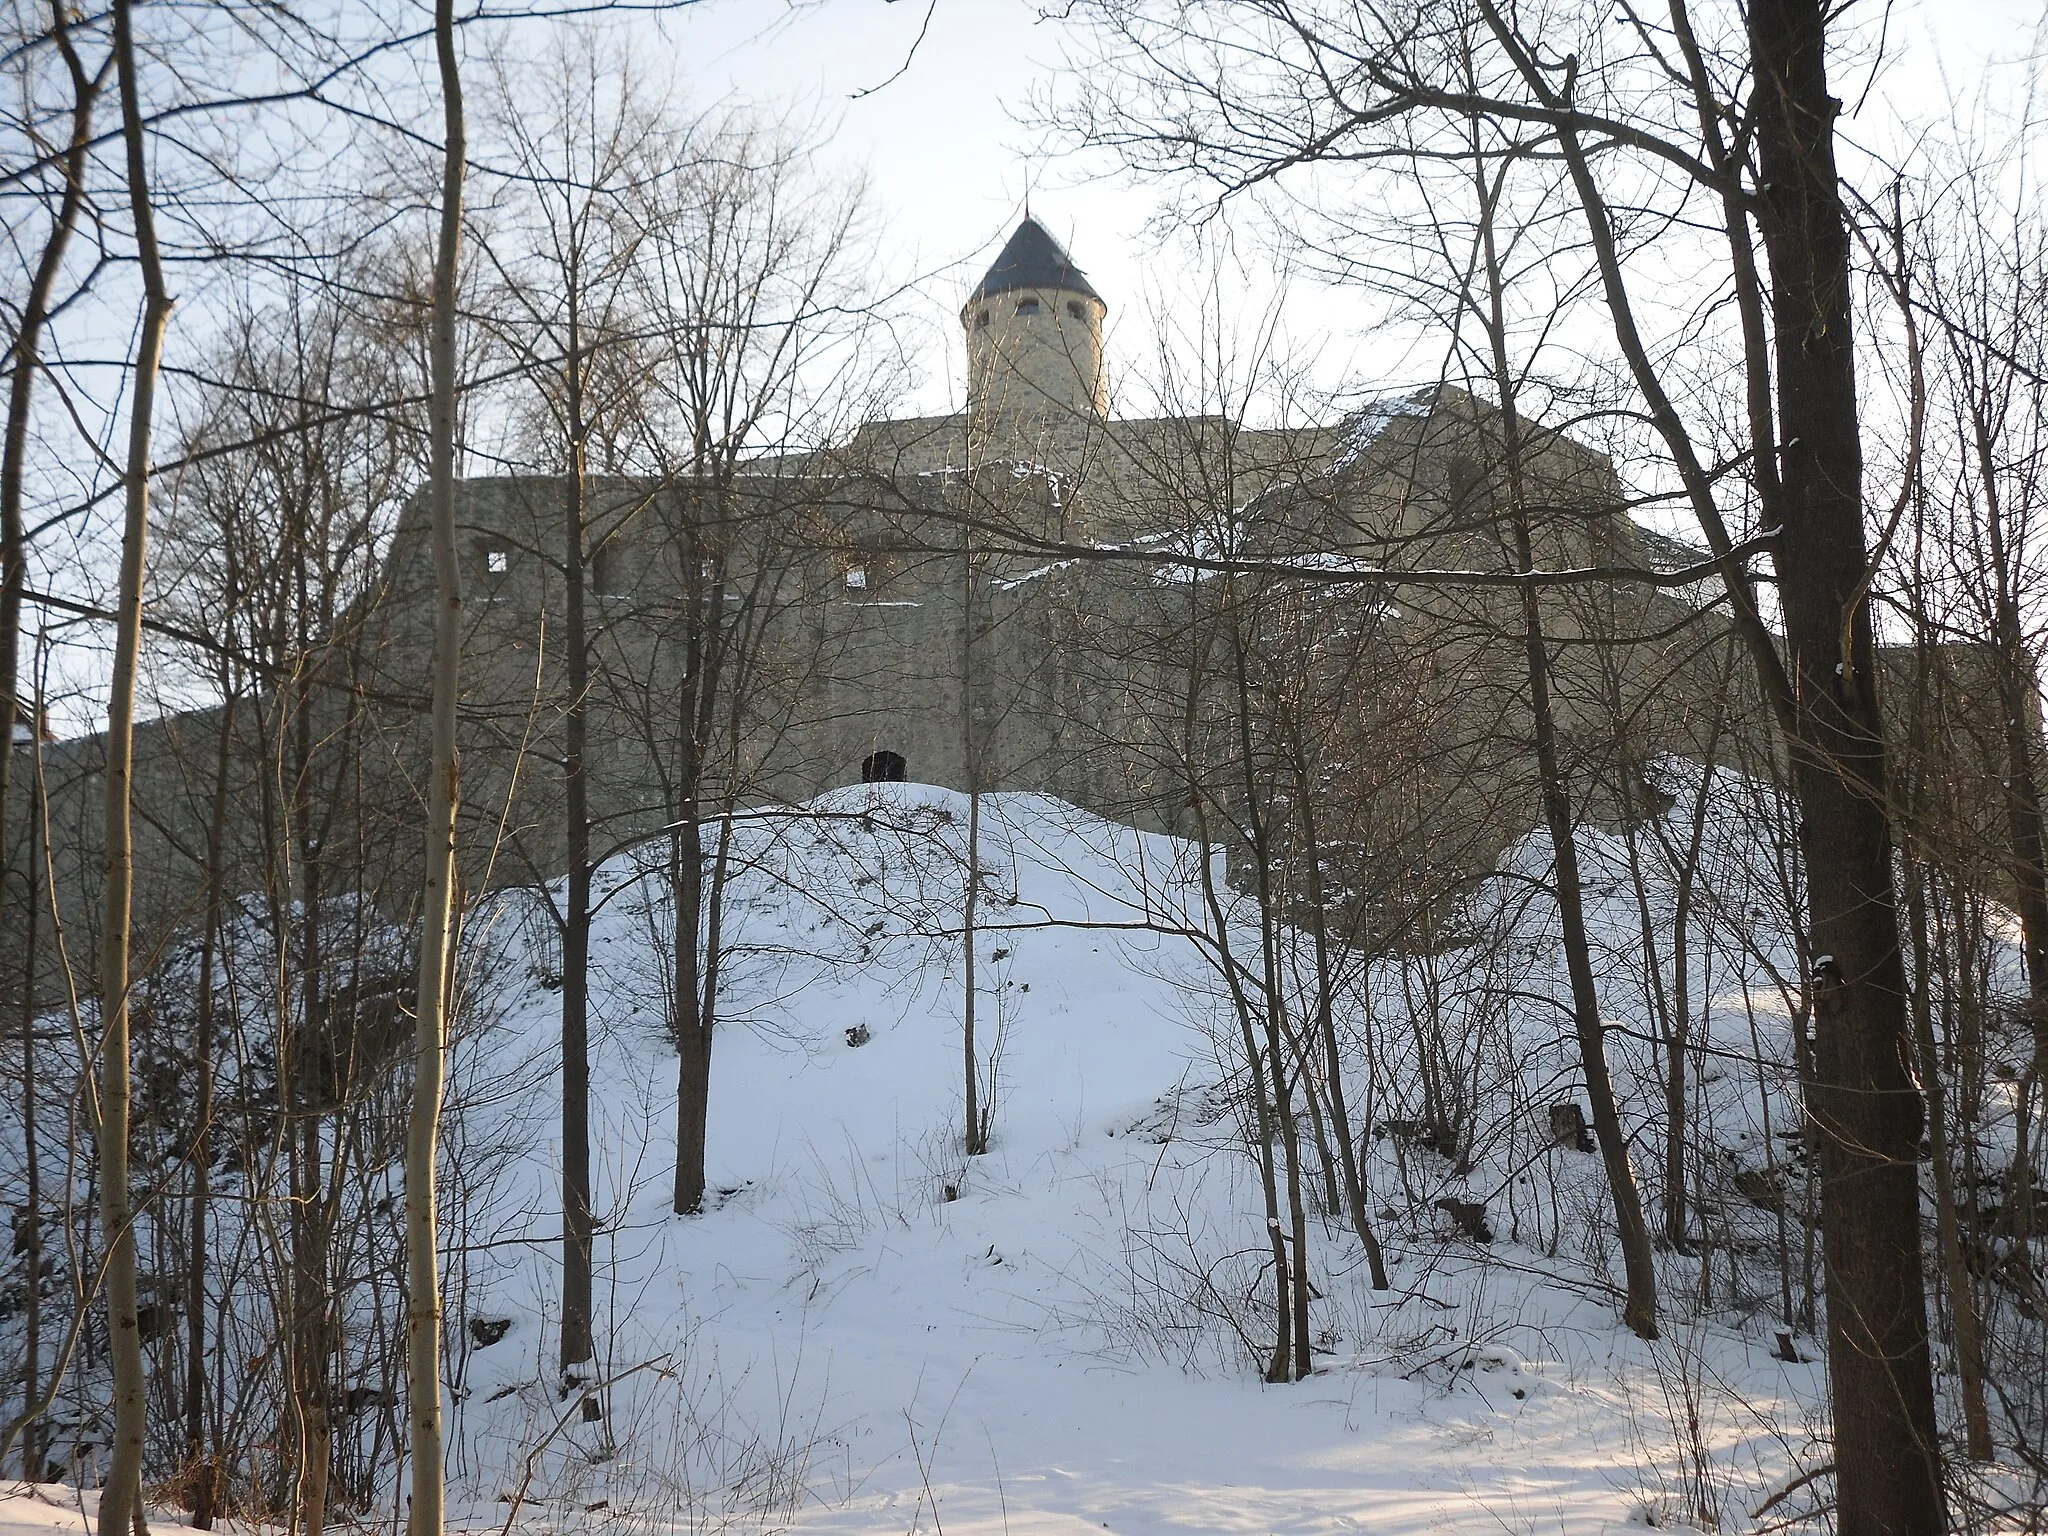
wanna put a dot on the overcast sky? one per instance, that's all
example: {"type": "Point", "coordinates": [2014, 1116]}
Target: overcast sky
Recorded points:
{"type": "Point", "coordinates": [952, 164]}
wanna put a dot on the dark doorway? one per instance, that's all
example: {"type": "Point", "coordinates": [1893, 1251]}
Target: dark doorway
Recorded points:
{"type": "Point", "coordinates": [882, 768]}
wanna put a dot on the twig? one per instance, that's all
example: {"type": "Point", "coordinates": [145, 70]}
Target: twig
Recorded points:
{"type": "Point", "coordinates": [1825, 1469]}
{"type": "Point", "coordinates": [924, 1474]}
{"type": "Point", "coordinates": [573, 1411]}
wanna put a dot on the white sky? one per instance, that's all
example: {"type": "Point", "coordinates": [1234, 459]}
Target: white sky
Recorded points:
{"type": "Point", "coordinates": [950, 165]}
{"type": "Point", "coordinates": [951, 162]}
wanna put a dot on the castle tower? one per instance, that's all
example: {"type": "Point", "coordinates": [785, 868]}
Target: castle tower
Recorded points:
{"type": "Point", "coordinates": [1034, 335]}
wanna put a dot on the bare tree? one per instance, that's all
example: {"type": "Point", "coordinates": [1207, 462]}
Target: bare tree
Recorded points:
{"type": "Point", "coordinates": [46, 266]}
{"type": "Point", "coordinates": [563, 262]}
{"type": "Point", "coordinates": [121, 1503]}
{"type": "Point", "coordinates": [1490, 303]}
{"type": "Point", "coordinates": [1982, 288]}
{"type": "Point", "coordinates": [434, 998]}
{"type": "Point", "coordinates": [1322, 85]}
{"type": "Point", "coordinates": [753, 299]}
{"type": "Point", "coordinates": [25, 358]}
{"type": "Point", "coordinates": [268, 549]}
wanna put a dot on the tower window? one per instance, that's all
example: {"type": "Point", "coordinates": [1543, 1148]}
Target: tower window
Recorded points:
{"type": "Point", "coordinates": [1074, 308]}
{"type": "Point", "coordinates": [497, 556]}
{"type": "Point", "coordinates": [981, 321]}
{"type": "Point", "coordinates": [1028, 307]}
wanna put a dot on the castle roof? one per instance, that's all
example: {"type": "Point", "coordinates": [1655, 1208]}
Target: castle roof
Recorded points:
{"type": "Point", "coordinates": [1033, 259]}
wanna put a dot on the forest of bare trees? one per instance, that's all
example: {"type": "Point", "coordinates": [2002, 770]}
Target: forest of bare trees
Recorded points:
{"type": "Point", "coordinates": [447, 585]}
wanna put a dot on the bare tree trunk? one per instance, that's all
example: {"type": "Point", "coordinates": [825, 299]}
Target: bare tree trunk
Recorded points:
{"type": "Point", "coordinates": [1273, 1004]}
{"type": "Point", "coordinates": [1678, 1039]}
{"type": "Point", "coordinates": [693, 1037]}
{"type": "Point", "coordinates": [977, 1130]}
{"type": "Point", "coordinates": [1962, 1298]}
{"type": "Point", "coordinates": [1312, 1100]}
{"type": "Point", "coordinates": [1326, 1030]}
{"type": "Point", "coordinates": [2018, 691]}
{"type": "Point", "coordinates": [577, 1342]}
{"type": "Point", "coordinates": [202, 1475]}
{"type": "Point", "coordinates": [311, 1351]}
{"type": "Point", "coordinates": [1672, 1012]}
{"type": "Point", "coordinates": [434, 997]}
{"type": "Point", "coordinates": [121, 1501]}
{"type": "Point", "coordinates": [307, 1060]}
{"type": "Point", "coordinates": [1866, 1106]}
{"type": "Point", "coordinates": [1279, 1366]}
{"type": "Point", "coordinates": [686, 869]}
{"type": "Point", "coordinates": [1290, 1147]}
{"type": "Point", "coordinates": [693, 1043]}
{"type": "Point", "coordinates": [1279, 1363]}
{"type": "Point", "coordinates": [32, 1171]}
{"type": "Point", "coordinates": [976, 1140]}
{"type": "Point", "coordinates": [698, 903]}
{"type": "Point", "coordinates": [25, 359]}
{"type": "Point", "coordinates": [1640, 1311]}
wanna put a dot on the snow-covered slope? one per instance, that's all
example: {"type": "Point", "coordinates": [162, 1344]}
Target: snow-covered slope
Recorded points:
{"type": "Point", "coordinates": [867, 1331]}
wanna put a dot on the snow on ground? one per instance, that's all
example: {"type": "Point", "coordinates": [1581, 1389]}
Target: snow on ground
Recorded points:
{"type": "Point", "coordinates": [867, 1332]}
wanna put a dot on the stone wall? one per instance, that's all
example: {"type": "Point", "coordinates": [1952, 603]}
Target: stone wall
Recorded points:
{"type": "Point", "coordinates": [860, 626]}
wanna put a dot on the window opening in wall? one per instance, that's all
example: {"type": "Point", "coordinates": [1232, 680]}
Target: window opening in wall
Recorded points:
{"type": "Point", "coordinates": [883, 767]}
{"type": "Point", "coordinates": [981, 321]}
{"type": "Point", "coordinates": [1074, 308]}
{"type": "Point", "coordinates": [497, 558]}
{"type": "Point", "coordinates": [1028, 307]}
{"type": "Point", "coordinates": [857, 578]}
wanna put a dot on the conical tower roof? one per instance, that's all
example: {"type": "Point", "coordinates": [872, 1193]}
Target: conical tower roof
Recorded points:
{"type": "Point", "coordinates": [1033, 259]}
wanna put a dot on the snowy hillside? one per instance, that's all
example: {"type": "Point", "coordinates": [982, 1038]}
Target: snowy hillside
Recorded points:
{"type": "Point", "coordinates": [866, 1330]}
{"type": "Point", "coordinates": [870, 1332]}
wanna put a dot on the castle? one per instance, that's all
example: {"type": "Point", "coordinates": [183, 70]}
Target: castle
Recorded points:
{"type": "Point", "coordinates": [1023, 595]}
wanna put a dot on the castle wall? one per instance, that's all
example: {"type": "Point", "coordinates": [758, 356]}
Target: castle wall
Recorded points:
{"type": "Point", "coordinates": [860, 626]}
